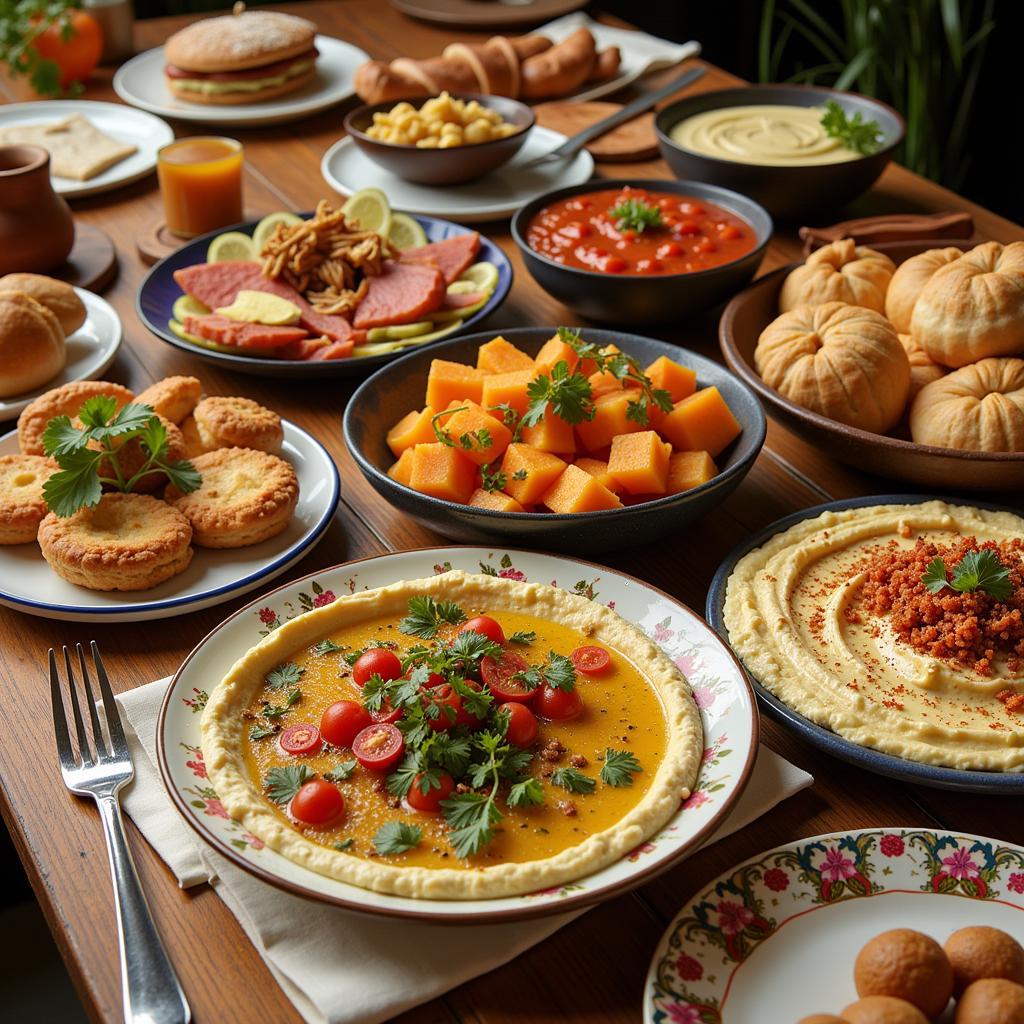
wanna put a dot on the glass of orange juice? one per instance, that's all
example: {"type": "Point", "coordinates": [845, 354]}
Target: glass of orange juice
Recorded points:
{"type": "Point", "coordinates": [201, 184]}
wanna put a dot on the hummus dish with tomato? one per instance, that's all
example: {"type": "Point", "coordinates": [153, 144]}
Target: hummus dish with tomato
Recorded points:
{"type": "Point", "coordinates": [898, 627]}
{"type": "Point", "coordinates": [458, 737]}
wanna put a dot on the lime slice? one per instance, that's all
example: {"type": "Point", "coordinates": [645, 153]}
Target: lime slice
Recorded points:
{"type": "Point", "coordinates": [483, 275]}
{"type": "Point", "coordinates": [232, 245]}
{"type": "Point", "coordinates": [398, 332]}
{"type": "Point", "coordinates": [461, 287]}
{"type": "Point", "coordinates": [185, 305]}
{"type": "Point", "coordinates": [405, 233]}
{"type": "Point", "coordinates": [371, 208]}
{"type": "Point", "coordinates": [268, 225]}
{"type": "Point", "coordinates": [384, 347]}
{"type": "Point", "coordinates": [180, 332]}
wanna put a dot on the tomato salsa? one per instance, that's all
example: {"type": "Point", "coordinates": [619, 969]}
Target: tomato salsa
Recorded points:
{"type": "Point", "coordinates": [637, 231]}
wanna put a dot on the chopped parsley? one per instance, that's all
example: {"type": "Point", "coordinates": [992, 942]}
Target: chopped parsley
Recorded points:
{"type": "Point", "coordinates": [284, 675]}
{"type": "Point", "coordinates": [619, 768]}
{"type": "Point", "coordinates": [341, 772]}
{"type": "Point", "coordinates": [277, 710]}
{"type": "Point", "coordinates": [572, 780]}
{"type": "Point", "coordinates": [636, 215]}
{"type": "Point", "coordinates": [854, 132]}
{"type": "Point", "coordinates": [397, 837]}
{"type": "Point", "coordinates": [558, 672]}
{"type": "Point", "coordinates": [261, 732]}
{"type": "Point", "coordinates": [977, 570]}
{"type": "Point", "coordinates": [426, 616]}
{"type": "Point", "coordinates": [522, 636]}
{"type": "Point", "coordinates": [325, 647]}
{"type": "Point", "coordinates": [283, 783]}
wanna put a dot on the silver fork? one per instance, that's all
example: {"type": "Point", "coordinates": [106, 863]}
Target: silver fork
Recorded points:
{"type": "Point", "coordinates": [150, 988]}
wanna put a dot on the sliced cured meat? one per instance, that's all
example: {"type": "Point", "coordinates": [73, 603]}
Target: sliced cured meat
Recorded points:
{"type": "Point", "coordinates": [336, 350]}
{"type": "Point", "coordinates": [242, 335]}
{"type": "Point", "coordinates": [451, 256]}
{"type": "Point", "coordinates": [459, 300]}
{"type": "Point", "coordinates": [217, 284]}
{"type": "Point", "coordinates": [402, 294]}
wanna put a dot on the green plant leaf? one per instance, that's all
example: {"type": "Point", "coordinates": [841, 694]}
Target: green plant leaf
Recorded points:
{"type": "Point", "coordinates": [76, 485]}
{"type": "Point", "coordinates": [396, 837]}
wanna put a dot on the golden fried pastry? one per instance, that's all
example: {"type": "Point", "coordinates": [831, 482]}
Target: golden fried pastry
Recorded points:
{"type": "Point", "coordinates": [126, 542]}
{"type": "Point", "coordinates": [63, 401]}
{"type": "Point", "coordinates": [32, 348]}
{"type": "Point", "coordinates": [193, 442]}
{"type": "Point", "coordinates": [22, 507]}
{"type": "Point", "coordinates": [57, 296]}
{"type": "Point", "coordinates": [246, 496]}
{"type": "Point", "coordinates": [131, 458]}
{"type": "Point", "coordinates": [173, 397]}
{"type": "Point", "coordinates": [238, 423]}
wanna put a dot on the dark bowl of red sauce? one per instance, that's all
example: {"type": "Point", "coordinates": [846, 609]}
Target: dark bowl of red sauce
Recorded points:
{"type": "Point", "coordinates": [642, 251]}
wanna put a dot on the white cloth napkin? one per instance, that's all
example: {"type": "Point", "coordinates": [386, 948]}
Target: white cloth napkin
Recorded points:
{"type": "Point", "coordinates": [335, 966]}
{"type": "Point", "coordinates": [640, 53]}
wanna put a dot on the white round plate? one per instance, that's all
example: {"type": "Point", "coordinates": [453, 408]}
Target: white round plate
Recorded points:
{"type": "Point", "coordinates": [91, 349]}
{"type": "Point", "coordinates": [142, 83]}
{"type": "Point", "coordinates": [134, 127]}
{"type": "Point", "coordinates": [498, 194]}
{"type": "Point", "coordinates": [775, 939]}
{"type": "Point", "coordinates": [721, 690]}
{"type": "Point", "coordinates": [28, 584]}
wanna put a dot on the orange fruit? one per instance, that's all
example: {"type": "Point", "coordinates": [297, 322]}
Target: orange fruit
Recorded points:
{"type": "Point", "coordinates": [882, 1010]}
{"type": "Point", "coordinates": [991, 1001]}
{"type": "Point", "coordinates": [981, 952]}
{"type": "Point", "coordinates": [906, 965]}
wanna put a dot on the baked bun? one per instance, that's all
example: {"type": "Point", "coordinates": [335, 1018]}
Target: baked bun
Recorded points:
{"type": "Point", "coordinates": [57, 296]}
{"type": "Point", "coordinates": [923, 370]}
{"type": "Point", "coordinates": [237, 42]}
{"type": "Point", "coordinates": [31, 344]}
{"type": "Point", "coordinates": [910, 278]}
{"type": "Point", "coordinates": [63, 401]}
{"type": "Point", "coordinates": [839, 272]}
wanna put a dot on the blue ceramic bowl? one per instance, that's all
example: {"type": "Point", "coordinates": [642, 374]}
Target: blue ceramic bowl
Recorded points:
{"type": "Point", "coordinates": [1007, 784]}
{"type": "Point", "coordinates": [380, 401]}
{"type": "Point", "coordinates": [159, 291]}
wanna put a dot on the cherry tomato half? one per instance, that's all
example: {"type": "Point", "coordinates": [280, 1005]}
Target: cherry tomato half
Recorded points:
{"type": "Point", "coordinates": [498, 677]}
{"type": "Point", "coordinates": [591, 660]}
{"type": "Point", "coordinates": [449, 704]}
{"type": "Point", "coordinates": [379, 747]}
{"type": "Point", "coordinates": [485, 626]}
{"type": "Point", "coordinates": [378, 661]}
{"type": "Point", "coordinates": [387, 714]}
{"type": "Point", "coordinates": [522, 724]}
{"type": "Point", "coordinates": [342, 721]}
{"type": "Point", "coordinates": [430, 802]}
{"type": "Point", "coordinates": [560, 705]}
{"type": "Point", "coordinates": [318, 803]}
{"type": "Point", "coordinates": [300, 739]}
{"type": "Point", "coordinates": [434, 679]}
{"type": "Point", "coordinates": [465, 717]}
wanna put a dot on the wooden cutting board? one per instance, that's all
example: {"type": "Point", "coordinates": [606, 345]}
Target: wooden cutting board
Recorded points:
{"type": "Point", "coordinates": [634, 140]}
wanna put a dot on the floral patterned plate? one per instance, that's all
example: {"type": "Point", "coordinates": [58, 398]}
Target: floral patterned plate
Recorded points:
{"type": "Point", "coordinates": [720, 687]}
{"type": "Point", "coordinates": [775, 939]}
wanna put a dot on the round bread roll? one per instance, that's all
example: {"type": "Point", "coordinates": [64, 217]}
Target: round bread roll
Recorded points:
{"type": "Point", "coordinates": [973, 307]}
{"type": "Point", "coordinates": [840, 272]}
{"type": "Point", "coordinates": [922, 369]}
{"type": "Point", "coordinates": [236, 42]}
{"type": "Point", "coordinates": [910, 277]}
{"type": "Point", "coordinates": [31, 344]}
{"type": "Point", "coordinates": [57, 296]}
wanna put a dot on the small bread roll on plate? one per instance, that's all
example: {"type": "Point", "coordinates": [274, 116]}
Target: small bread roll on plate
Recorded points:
{"type": "Point", "coordinates": [31, 344]}
{"type": "Point", "coordinates": [57, 296]}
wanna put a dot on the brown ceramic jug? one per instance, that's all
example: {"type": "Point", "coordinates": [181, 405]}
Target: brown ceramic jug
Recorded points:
{"type": "Point", "coordinates": [36, 228]}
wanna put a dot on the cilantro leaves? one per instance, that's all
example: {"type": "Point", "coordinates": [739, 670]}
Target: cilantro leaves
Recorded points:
{"type": "Point", "coordinates": [619, 768]}
{"type": "Point", "coordinates": [855, 133]}
{"type": "Point", "coordinates": [558, 672]}
{"type": "Point", "coordinates": [426, 616]}
{"type": "Point", "coordinates": [397, 837]}
{"type": "Point", "coordinates": [977, 570]}
{"type": "Point", "coordinates": [572, 780]}
{"type": "Point", "coordinates": [284, 782]}
{"type": "Point", "coordinates": [284, 675]}
{"type": "Point", "coordinates": [636, 215]}
{"type": "Point", "coordinates": [341, 772]}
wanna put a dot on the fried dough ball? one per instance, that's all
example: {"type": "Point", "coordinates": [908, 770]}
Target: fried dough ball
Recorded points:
{"type": "Point", "coordinates": [882, 1010]}
{"type": "Point", "coordinates": [173, 397]}
{"type": "Point", "coordinates": [981, 952]}
{"type": "Point", "coordinates": [906, 965]}
{"type": "Point", "coordinates": [991, 1001]}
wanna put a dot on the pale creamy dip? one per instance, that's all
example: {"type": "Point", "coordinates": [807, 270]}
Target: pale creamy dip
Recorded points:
{"type": "Point", "coordinates": [771, 134]}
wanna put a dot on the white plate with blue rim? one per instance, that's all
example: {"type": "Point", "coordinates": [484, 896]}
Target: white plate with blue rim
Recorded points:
{"type": "Point", "coordinates": [720, 688]}
{"type": "Point", "coordinates": [28, 584]}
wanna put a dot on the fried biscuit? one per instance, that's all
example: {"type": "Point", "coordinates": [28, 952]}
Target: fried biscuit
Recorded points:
{"type": "Point", "coordinates": [238, 423]}
{"type": "Point", "coordinates": [22, 507]}
{"type": "Point", "coordinates": [246, 496]}
{"type": "Point", "coordinates": [63, 401]}
{"type": "Point", "coordinates": [173, 397]}
{"type": "Point", "coordinates": [193, 442]}
{"type": "Point", "coordinates": [126, 542]}
{"type": "Point", "coordinates": [131, 458]}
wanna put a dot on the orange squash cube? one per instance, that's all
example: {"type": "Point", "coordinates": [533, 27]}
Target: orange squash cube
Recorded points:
{"type": "Point", "coordinates": [442, 472]}
{"type": "Point", "coordinates": [469, 425]}
{"type": "Point", "coordinates": [577, 491]}
{"type": "Point", "coordinates": [507, 389]}
{"type": "Point", "coordinates": [640, 462]}
{"type": "Point", "coordinates": [552, 352]}
{"type": "Point", "coordinates": [412, 429]}
{"type": "Point", "coordinates": [452, 382]}
{"type": "Point", "coordinates": [702, 422]}
{"type": "Point", "coordinates": [552, 434]}
{"type": "Point", "coordinates": [496, 500]}
{"type": "Point", "coordinates": [609, 421]}
{"type": "Point", "coordinates": [529, 473]}
{"type": "Point", "coordinates": [402, 469]}
{"type": "Point", "coordinates": [689, 469]}
{"type": "Point", "coordinates": [605, 382]}
{"type": "Point", "coordinates": [678, 380]}
{"type": "Point", "coordinates": [501, 356]}
{"type": "Point", "coordinates": [598, 469]}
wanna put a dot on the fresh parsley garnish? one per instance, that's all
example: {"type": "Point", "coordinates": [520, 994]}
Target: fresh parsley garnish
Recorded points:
{"type": "Point", "coordinates": [284, 675]}
{"type": "Point", "coordinates": [558, 672]}
{"type": "Point", "coordinates": [528, 793]}
{"type": "Point", "coordinates": [977, 570]}
{"type": "Point", "coordinates": [344, 845]}
{"type": "Point", "coordinates": [522, 636]}
{"type": "Point", "coordinates": [567, 395]}
{"type": "Point", "coordinates": [572, 780]}
{"type": "Point", "coordinates": [261, 732]}
{"type": "Point", "coordinates": [325, 647]}
{"type": "Point", "coordinates": [426, 616]}
{"type": "Point", "coordinates": [341, 772]}
{"type": "Point", "coordinates": [468, 441]}
{"type": "Point", "coordinates": [619, 767]}
{"type": "Point", "coordinates": [491, 481]}
{"type": "Point", "coordinates": [283, 783]}
{"type": "Point", "coordinates": [636, 215]}
{"type": "Point", "coordinates": [862, 136]}
{"type": "Point", "coordinates": [397, 837]}
{"type": "Point", "coordinates": [277, 710]}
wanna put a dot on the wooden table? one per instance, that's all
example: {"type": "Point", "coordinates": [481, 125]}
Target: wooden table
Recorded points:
{"type": "Point", "coordinates": [592, 970]}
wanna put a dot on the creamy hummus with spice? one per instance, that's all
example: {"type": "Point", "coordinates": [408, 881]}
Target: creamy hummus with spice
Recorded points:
{"type": "Point", "coordinates": [800, 613]}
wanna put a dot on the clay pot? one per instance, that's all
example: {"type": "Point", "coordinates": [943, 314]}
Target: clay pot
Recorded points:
{"type": "Point", "coordinates": [36, 228]}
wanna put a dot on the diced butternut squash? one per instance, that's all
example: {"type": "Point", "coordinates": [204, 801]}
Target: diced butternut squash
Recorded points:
{"type": "Point", "coordinates": [689, 469]}
{"type": "Point", "coordinates": [605, 382]}
{"type": "Point", "coordinates": [552, 352]}
{"type": "Point", "coordinates": [496, 500]}
{"type": "Point", "coordinates": [442, 472]}
{"type": "Point", "coordinates": [478, 435]}
{"type": "Point", "coordinates": [529, 473]}
{"type": "Point", "coordinates": [609, 421]}
{"type": "Point", "coordinates": [577, 491]}
{"type": "Point", "coordinates": [552, 434]}
{"type": "Point", "coordinates": [452, 382]}
{"type": "Point", "coordinates": [702, 422]}
{"type": "Point", "coordinates": [679, 381]}
{"type": "Point", "coordinates": [640, 462]}
{"type": "Point", "coordinates": [501, 356]}
{"type": "Point", "coordinates": [412, 429]}
{"type": "Point", "coordinates": [598, 469]}
{"type": "Point", "coordinates": [507, 389]}
{"type": "Point", "coordinates": [402, 469]}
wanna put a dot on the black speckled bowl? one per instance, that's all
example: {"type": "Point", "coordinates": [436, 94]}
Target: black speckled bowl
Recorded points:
{"type": "Point", "coordinates": [632, 299]}
{"type": "Point", "coordinates": [786, 192]}
{"type": "Point", "coordinates": [386, 396]}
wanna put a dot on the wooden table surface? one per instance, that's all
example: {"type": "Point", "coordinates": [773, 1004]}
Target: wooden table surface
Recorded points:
{"type": "Point", "coordinates": [592, 970]}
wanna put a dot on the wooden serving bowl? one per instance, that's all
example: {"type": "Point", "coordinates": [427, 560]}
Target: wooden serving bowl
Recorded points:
{"type": "Point", "coordinates": [747, 315]}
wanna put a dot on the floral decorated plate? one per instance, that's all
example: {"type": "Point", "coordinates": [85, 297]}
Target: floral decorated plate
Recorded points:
{"type": "Point", "coordinates": [721, 689]}
{"type": "Point", "coordinates": [775, 939]}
